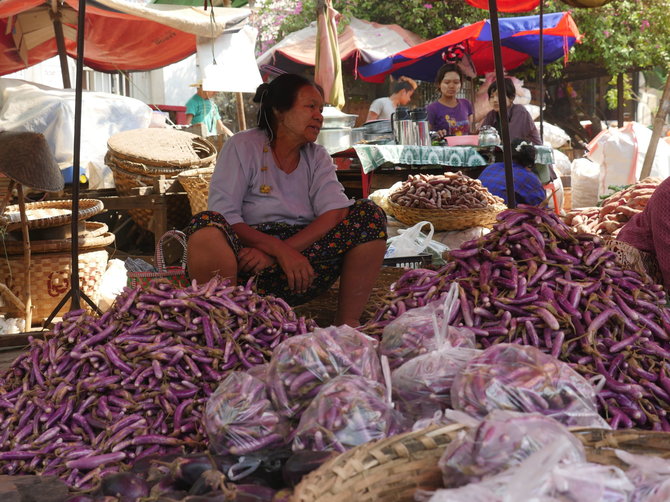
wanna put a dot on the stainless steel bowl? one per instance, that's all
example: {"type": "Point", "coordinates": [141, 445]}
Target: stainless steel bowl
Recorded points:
{"type": "Point", "coordinates": [333, 118]}
{"type": "Point", "coordinates": [335, 140]}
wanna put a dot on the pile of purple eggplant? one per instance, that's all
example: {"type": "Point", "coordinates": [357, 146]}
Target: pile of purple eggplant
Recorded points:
{"type": "Point", "coordinates": [533, 281]}
{"type": "Point", "coordinates": [97, 394]}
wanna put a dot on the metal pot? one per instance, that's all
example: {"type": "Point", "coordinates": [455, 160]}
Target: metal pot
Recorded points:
{"type": "Point", "coordinates": [333, 118]}
{"type": "Point", "coordinates": [335, 140]}
{"type": "Point", "coordinates": [357, 135]}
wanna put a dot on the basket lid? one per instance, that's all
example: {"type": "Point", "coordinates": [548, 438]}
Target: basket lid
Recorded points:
{"type": "Point", "coordinates": [96, 235]}
{"type": "Point", "coordinates": [161, 146]}
{"type": "Point", "coordinates": [27, 158]}
{"type": "Point", "coordinates": [48, 213]}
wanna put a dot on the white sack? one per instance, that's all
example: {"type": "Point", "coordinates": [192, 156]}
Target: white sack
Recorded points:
{"type": "Point", "coordinates": [584, 183]}
{"type": "Point", "coordinates": [553, 135]}
{"type": "Point", "coordinates": [562, 164]}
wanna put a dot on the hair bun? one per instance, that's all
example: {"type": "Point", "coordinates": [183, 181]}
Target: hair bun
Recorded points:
{"type": "Point", "coordinates": [261, 91]}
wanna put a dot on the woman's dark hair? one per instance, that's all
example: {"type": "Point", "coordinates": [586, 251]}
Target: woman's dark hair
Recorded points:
{"type": "Point", "coordinates": [279, 94]}
{"type": "Point", "coordinates": [510, 90]}
{"type": "Point", "coordinates": [523, 152]}
{"type": "Point", "coordinates": [444, 69]}
{"type": "Point", "coordinates": [403, 84]}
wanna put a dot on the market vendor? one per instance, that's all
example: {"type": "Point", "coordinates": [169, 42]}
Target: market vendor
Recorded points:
{"type": "Point", "coordinates": [649, 232]}
{"type": "Point", "coordinates": [450, 115]}
{"type": "Point", "coordinates": [527, 186]}
{"type": "Point", "coordinates": [277, 210]}
{"type": "Point", "coordinates": [401, 94]}
{"type": "Point", "coordinates": [201, 109]}
{"type": "Point", "coordinates": [521, 123]}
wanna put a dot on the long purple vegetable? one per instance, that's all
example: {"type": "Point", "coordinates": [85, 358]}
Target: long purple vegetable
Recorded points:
{"type": "Point", "coordinates": [100, 392]}
{"type": "Point", "coordinates": [534, 281]}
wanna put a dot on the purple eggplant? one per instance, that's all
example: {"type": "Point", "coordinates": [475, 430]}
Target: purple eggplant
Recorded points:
{"type": "Point", "coordinates": [302, 463]}
{"type": "Point", "coordinates": [124, 485]}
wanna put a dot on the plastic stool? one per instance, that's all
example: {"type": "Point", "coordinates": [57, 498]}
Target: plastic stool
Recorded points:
{"type": "Point", "coordinates": [550, 186]}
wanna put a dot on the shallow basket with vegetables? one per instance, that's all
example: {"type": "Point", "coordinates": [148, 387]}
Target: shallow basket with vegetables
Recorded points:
{"type": "Point", "coordinates": [534, 281]}
{"type": "Point", "coordinates": [450, 201]}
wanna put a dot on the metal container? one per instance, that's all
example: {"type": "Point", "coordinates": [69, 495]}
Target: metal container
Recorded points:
{"type": "Point", "coordinates": [378, 127]}
{"type": "Point", "coordinates": [357, 135]}
{"type": "Point", "coordinates": [333, 118]}
{"type": "Point", "coordinates": [335, 140]}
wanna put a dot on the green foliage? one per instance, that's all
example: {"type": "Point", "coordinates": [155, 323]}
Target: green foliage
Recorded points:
{"type": "Point", "coordinates": [612, 93]}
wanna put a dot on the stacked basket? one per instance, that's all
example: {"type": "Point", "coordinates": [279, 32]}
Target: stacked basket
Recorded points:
{"type": "Point", "coordinates": [50, 264]}
{"type": "Point", "coordinates": [196, 184]}
{"type": "Point", "coordinates": [140, 157]}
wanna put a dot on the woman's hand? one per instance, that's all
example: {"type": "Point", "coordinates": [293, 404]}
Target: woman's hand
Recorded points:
{"type": "Point", "coordinates": [298, 270]}
{"type": "Point", "coordinates": [254, 260]}
{"type": "Point", "coordinates": [442, 133]}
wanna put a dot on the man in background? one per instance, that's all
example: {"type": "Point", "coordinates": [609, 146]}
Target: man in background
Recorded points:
{"type": "Point", "coordinates": [201, 109]}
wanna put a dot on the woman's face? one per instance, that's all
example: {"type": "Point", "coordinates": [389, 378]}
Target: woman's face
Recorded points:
{"type": "Point", "coordinates": [405, 96]}
{"type": "Point", "coordinates": [495, 104]}
{"type": "Point", "coordinates": [450, 84]}
{"type": "Point", "coordinates": [304, 119]}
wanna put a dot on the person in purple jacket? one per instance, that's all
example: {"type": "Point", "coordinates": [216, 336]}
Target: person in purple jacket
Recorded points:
{"type": "Point", "coordinates": [277, 211]}
{"type": "Point", "coordinates": [450, 115]}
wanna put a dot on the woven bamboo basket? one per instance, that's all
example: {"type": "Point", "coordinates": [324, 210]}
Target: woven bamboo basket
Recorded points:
{"type": "Point", "coordinates": [448, 219]}
{"type": "Point", "coordinates": [323, 308]}
{"type": "Point", "coordinates": [96, 235]}
{"type": "Point", "coordinates": [393, 469]}
{"type": "Point", "coordinates": [50, 279]}
{"type": "Point", "coordinates": [196, 184]}
{"type": "Point", "coordinates": [178, 210]}
{"type": "Point", "coordinates": [51, 213]}
{"type": "Point", "coordinates": [631, 258]}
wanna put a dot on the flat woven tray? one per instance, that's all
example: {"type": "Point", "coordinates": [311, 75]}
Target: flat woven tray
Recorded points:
{"type": "Point", "coordinates": [96, 235]}
{"type": "Point", "coordinates": [196, 184]}
{"type": "Point", "coordinates": [448, 219]}
{"type": "Point", "coordinates": [393, 469]}
{"type": "Point", "coordinates": [50, 213]}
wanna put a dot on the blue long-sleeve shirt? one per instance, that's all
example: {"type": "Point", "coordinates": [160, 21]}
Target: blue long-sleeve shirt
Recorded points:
{"type": "Point", "coordinates": [527, 186]}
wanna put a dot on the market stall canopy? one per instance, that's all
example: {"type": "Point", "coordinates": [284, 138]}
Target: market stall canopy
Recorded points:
{"type": "Point", "coordinates": [507, 5]}
{"type": "Point", "coordinates": [519, 36]}
{"type": "Point", "coordinates": [360, 40]}
{"type": "Point", "coordinates": [119, 35]}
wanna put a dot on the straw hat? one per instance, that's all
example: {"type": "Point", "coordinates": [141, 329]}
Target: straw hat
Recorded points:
{"type": "Point", "coordinates": [26, 158]}
{"type": "Point", "coordinates": [196, 84]}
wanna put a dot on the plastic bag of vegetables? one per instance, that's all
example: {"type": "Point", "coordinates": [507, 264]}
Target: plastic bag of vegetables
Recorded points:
{"type": "Point", "coordinates": [239, 417]}
{"type": "Point", "coordinates": [413, 332]}
{"type": "Point", "coordinates": [302, 364]}
{"type": "Point", "coordinates": [502, 440]}
{"type": "Point", "coordinates": [520, 377]}
{"type": "Point", "coordinates": [649, 474]}
{"type": "Point", "coordinates": [348, 411]}
{"type": "Point", "coordinates": [422, 385]}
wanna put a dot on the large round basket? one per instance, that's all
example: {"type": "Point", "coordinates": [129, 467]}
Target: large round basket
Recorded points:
{"type": "Point", "coordinates": [196, 184]}
{"type": "Point", "coordinates": [139, 157]}
{"type": "Point", "coordinates": [96, 235]}
{"type": "Point", "coordinates": [50, 279]}
{"type": "Point", "coordinates": [50, 213]}
{"type": "Point", "coordinates": [393, 469]}
{"type": "Point", "coordinates": [448, 219]}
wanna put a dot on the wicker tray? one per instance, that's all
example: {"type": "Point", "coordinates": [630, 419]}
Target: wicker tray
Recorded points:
{"type": "Point", "coordinates": [96, 235]}
{"type": "Point", "coordinates": [51, 213]}
{"type": "Point", "coordinates": [50, 279]}
{"type": "Point", "coordinates": [393, 469]}
{"type": "Point", "coordinates": [196, 184]}
{"type": "Point", "coordinates": [448, 219]}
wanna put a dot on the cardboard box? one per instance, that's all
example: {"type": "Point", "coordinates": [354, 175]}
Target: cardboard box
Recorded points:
{"type": "Point", "coordinates": [35, 27]}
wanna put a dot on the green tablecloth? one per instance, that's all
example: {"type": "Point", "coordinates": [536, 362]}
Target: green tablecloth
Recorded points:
{"type": "Point", "coordinates": [375, 156]}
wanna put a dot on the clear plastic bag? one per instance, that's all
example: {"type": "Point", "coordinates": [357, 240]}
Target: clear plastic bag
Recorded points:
{"type": "Point", "coordinates": [649, 474]}
{"type": "Point", "coordinates": [348, 411]}
{"type": "Point", "coordinates": [523, 378]}
{"type": "Point", "coordinates": [301, 364]}
{"type": "Point", "coordinates": [503, 440]}
{"type": "Point", "coordinates": [412, 333]}
{"type": "Point", "coordinates": [239, 417]}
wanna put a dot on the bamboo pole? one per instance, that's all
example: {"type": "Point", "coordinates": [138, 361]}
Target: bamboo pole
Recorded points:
{"type": "Point", "coordinates": [241, 120]}
{"type": "Point", "coordinates": [659, 122]}
{"type": "Point", "coordinates": [27, 262]}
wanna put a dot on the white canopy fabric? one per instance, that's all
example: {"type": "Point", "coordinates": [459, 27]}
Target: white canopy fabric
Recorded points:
{"type": "Point", "coordinates": [370, 41]}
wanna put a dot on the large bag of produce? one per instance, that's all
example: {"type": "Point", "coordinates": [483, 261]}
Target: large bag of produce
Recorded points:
{"type": "Point", "coordinates": [239, 417]}
{"type": "Point", "coordinates": [348, 411]}
{"type": "Point", "coordinates": [516, 377]}
{"type": "Point", "coordinates": [500, 441]}
{"type": "Point", "coordinates": [649, 474]}
{"type": "Point", "coordinates": [413, 332]}
{"type": "Point", "coordinates": [302, 364]}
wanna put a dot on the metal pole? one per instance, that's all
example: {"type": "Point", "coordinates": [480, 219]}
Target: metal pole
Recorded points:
{"type": "Point", "coordinates": [504, 119]}
{"type": "Point", "coordinates": [540, 71]}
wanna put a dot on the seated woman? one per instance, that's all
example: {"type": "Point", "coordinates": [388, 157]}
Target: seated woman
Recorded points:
{"type": "Point", "coordinates": [277, 210]}
{"type": "Point", "coordinates": [521, 123]}
{"type": "Point", "coordinates": [649, 232]}
{"type": "Point", "coordinates": [527, 186]}
{"type": "Point", "coordinates": [401, 94]}
{"type": "Point", "coordinates": [449, 115]}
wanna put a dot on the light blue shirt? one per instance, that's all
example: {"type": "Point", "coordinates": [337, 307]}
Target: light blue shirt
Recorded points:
{"type": "Point", "coordinates": [297, 198]}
